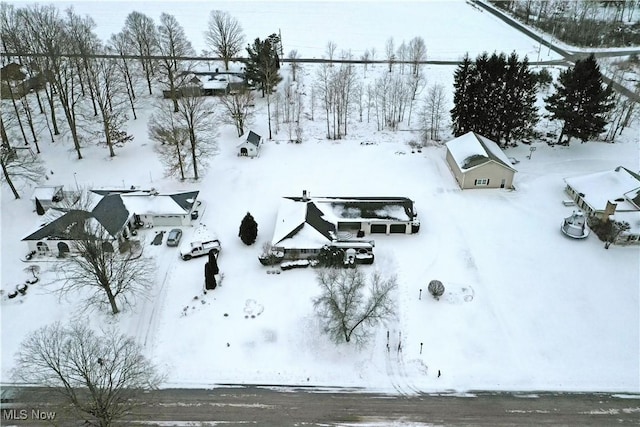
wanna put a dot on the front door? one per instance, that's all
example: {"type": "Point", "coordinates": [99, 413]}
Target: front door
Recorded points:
{"type": "Point", "coordinates": [502, 183]}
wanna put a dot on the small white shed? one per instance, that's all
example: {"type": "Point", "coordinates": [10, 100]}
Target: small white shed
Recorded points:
{"type": "Point", "coordinates": [251, 146]}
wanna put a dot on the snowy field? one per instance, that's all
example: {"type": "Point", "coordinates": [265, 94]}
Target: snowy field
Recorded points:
{"type": "Point", "coordinates": [525, 308]}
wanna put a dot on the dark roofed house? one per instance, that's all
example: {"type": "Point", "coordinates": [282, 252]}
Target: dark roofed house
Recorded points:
{"type": "Point", "coordinates": [250, 147]}
{"type": "Point", "coordinates": [109, 220]}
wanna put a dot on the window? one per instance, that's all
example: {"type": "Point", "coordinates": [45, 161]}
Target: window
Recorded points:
{"type": "Point", "coordinates": [482, 182]}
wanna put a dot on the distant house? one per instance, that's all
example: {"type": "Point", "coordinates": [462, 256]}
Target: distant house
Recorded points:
{"type": "Point", "coordinates": [611, 194]}
{"type": "Point", "coordinates": [304, 224]}
{"type": "Point", "coordinates": [151, 208]}
{"type": "Point", "coordinates": [250, 147]}
{"type": "Point", "coordinates": [47, 195]}
{"type": "Point", "coordinates": [108, 218]}
{"type": "Point", "coordinates": [478, 162]}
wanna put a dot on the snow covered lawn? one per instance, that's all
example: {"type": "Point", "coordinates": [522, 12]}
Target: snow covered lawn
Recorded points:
{"type": "Point", "coordinates": [525, 308]}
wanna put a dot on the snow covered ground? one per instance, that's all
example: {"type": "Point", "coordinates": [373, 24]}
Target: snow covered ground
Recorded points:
{"type": "Point", "coordinates": [525, 308]}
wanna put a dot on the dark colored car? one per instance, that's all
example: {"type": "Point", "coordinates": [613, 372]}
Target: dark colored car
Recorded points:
{"type": "Point", "coordinates": [174, 237]}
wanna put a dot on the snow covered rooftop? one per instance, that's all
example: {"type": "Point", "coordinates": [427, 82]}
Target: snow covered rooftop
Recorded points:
{"type": "Point", "coordinates": [152, 203]}
{"type": "Point", "coordinates": [214, 84]}
{"type": "Point", "coordinates": [471, 150]}
{"type": "Point", "coordinates": [619, 186]}
{"type": "Point", "coordinates": [46, 192]}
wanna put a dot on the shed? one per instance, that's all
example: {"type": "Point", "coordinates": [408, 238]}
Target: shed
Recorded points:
{"type": "Point", "coordinates": [250, 147]}
{"type": "Point", "coordinates": [478, 162]}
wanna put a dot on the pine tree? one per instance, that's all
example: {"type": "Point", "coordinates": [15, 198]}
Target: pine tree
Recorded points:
{"type": "Point", "coordinates": [461, 98]}
{"type": "Point", "coordinates": [263, 63]}
{"type": "Point", "coordinates": [581, 101]}
{"type": "Point", "coordinates": [39, 208]}
{"type": "Point", "coordinates": [248, 230]}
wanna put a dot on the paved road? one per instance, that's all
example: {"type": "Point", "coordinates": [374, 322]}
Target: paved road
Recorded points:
{"type": "Point", "coordinates": [281, 406]}
{"type": "Point", "coordinates": [570, 57]}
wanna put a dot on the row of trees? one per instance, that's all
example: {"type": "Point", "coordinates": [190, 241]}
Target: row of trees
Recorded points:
{"type": "Point", "coordinates": [496, 97]}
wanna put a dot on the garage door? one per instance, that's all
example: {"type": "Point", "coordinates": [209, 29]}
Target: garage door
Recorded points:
{"type": "Point", "coordinates": [378, 228]}
{"type": "Point", "coordinates": [398, 228]}
{"type": "Point", "coordinates": [167, 220]}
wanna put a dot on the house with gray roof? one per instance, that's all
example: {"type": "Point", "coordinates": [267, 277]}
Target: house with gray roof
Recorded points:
{"type": "Point", "coordinates": [478, 162]}
{"type": "Point", "coordinates": [59, 228]}
{"type": "Point", "coordinates": [305, 224]}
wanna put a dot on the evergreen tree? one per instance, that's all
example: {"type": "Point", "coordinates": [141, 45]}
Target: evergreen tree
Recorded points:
{"type": "Point", "coordinates": [248, 230]}
{"type": "Point", "coordinates": [39, 208]}
{"type": "Point", "coordinates": [263, 63]}
{"type": "Point", "coordinates": [581, 101]}
{"type": "Point", "coordinates": [495, 97]}
{"type": "Point", "coordinates": [460, 114]}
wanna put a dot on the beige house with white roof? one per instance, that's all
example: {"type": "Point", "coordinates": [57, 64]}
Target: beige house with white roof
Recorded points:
{"type": "Point", "coordinates": [478, 162]}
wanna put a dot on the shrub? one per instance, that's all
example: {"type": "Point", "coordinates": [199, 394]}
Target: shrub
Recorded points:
{"type": "Point", "coordinates": [248, 230]}
{"type": "Point", "coordinates": [330, 256]}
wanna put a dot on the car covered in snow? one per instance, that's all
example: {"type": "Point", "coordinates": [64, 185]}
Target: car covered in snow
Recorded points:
{"type": "Point", "coordinates": [174, 236]}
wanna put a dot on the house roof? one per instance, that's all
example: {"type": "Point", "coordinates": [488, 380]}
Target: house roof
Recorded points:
{"type": "Point", "coordinates": [621, 186]}
{"type": "Point", "coordinates": [253, 138]}
{"type": "Point", "coordinates": [108, 216]}
{"type": "Point", "coordinates": [472, 150]}
{"type": "Point", "coordinates": [46, 192]}
{"type": "Point", "coordinates": [363, 208]}
{"type": "Point", "coordinates": [301, 223]}
{"type": "Point", "coordinates": [147, 202]}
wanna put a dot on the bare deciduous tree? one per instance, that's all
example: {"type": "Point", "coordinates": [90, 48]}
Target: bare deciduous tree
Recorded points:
{"type": "Point", "coordinates": [331, 50]}
{"type": "Point", "coordinates": [417, 52]}
{"type": "Point", "coordinates": [97, 374]}
{"type": "Point", "coordinates": [141, 34]}
{"type": "Point", "coordinates": [391, 53]}
{"type": "Point", "coordinates": [173, 43]}
{"type": "Point", "coordinates": [293, 61]}
{"type": "Point", "coordinates": [434, 112]}
{"type": "Point", "coordinates": [21, 165]}
{"type": "Point", "coordinates": [165, 128]}
{"type": "Point", "coordinates": [349, 306]}
{"type": "Point", "coordinates": [238, 107]}
{"type": "Point", "coordinates": [224, 35]}
{"type": "Point", "coordinates": [195, 114]}
{"type": "Point", "coordinates": [105, 276]}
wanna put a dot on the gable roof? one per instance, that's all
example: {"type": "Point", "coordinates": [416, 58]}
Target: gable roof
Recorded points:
{"type": "Point", "coordinates": [253, 138]}
{"type": "Point", "coordinates": [147, 202]}
{"type": "Point", "coordinates": [472, 150]}
{"type": "Point", "coordinates": [111, 213]}
{"type": "Point", "coordinates": [620, 186]}
{"type": "Point", "coordinates": [302, 222]}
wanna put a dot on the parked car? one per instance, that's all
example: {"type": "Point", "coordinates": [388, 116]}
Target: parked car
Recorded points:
{"type": "Point", "coordinates": [174, 237]}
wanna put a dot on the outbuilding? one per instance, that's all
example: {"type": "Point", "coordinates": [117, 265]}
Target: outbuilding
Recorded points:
{"type": "Point", "coordinates": [250, 147]}
{"type": "Point", "coordinates": [478, 162]}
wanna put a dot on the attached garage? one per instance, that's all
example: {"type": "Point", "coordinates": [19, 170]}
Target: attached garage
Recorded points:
{"type": "Point", "coordinates": [398, 228]}
{"type": "Point", "coordinates": [379, 228]}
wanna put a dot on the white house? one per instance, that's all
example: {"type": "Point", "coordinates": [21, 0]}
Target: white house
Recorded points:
{"type": "Point", "coordinates": [151, 208]}
{"type": "Point", "coordinates": [613, 194]}
{"type": "Point", "coordinates": [478, 162]}
{"type": "Point", "coordinates": [250, 147]}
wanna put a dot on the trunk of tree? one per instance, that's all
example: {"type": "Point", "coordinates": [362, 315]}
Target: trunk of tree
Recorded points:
{"type": "Point", "coordinates": [7, 178]}
{"type": "Point", "coordinates": [27, 110]}
{"type": "Point", "coordinates": [561, 134]}
{"type": "Point", "coordinates": [148, 75]}
{"type": "Point", "coordinates": [180, 161]}
{"type": "Point", "coordinates": [112, 301]}
{"type": "Point", "coordinates": [15, 108]}
{"type": "Point", "coordinates": [52, 109]}
{"type": "Point", "coordinates": [40, 106]}
{"type": "Point", "coordinates": [269, 113]}
{"type": "Point", "coordinates": [3, 135]}
{"type": "Point", "coordinates": [194, 157]}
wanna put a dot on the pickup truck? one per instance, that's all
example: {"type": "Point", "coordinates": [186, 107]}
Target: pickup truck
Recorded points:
{"type": "Point", "coordinates": [199, 248]}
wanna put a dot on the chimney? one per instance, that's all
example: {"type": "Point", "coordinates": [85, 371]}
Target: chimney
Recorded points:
{"type": "Point", "coordinates": [609, 210]}
{"type": "Point", "coordinates": [305, 197]}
